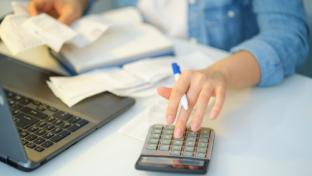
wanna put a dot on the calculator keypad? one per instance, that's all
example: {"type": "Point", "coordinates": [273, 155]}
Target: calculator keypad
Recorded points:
{"type": "Point", "coordinates": [160, 141]}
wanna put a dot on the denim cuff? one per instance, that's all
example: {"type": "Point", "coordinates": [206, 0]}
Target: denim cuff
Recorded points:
{"type": "Point", "coordinates": [88, 8]}
{"type": "Point", "coordinates": [271, 68]}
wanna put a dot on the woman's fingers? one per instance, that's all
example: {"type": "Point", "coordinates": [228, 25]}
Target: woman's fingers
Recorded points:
{"type": "Point", "coordinates": [220, 96]}
{"type": "Point", "coordinates": [180, 125]}
{"type": "Point", "coordinates": [164, 92]}
{"type": "Point", "coordinates": [32, 9]}
{"type": "Point", "coordinates": [201, 107]}
{"type": "Point", "coordinates": [196, 85]}
{"type": "Point", "coordinates": [177, 92]}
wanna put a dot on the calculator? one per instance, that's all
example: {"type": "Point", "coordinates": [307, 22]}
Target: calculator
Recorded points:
{"type": "Point", "coordinates": [189, 154]}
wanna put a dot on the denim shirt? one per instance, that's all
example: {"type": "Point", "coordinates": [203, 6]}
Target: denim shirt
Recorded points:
{"type": "Point", "coordinates": [275, 32]}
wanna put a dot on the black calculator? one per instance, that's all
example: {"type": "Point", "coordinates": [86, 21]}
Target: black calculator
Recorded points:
{"type": "Point", "coordinates": [189, 154]}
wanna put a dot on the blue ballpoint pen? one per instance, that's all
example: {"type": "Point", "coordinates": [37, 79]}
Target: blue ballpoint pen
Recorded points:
{"type": "Point", "coordinates": [177, 72]}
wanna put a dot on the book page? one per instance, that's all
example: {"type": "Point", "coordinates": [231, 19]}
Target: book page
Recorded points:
{"type": "Point", "coordinates": [123, 16]}
{"type": "Point", "coordinates": [120, 44]}
{"type": "Point", "coordinates": [14, 37]}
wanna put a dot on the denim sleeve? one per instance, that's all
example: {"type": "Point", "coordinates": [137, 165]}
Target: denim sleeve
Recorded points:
{"type": "Point", "coordinates": [89, 6]}
{"type": "Point", "coordinates": [282, 43]}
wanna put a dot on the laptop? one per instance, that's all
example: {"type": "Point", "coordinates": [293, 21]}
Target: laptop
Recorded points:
{"type": "Point", "coordinates": [5, 8]}
{"type": "Point", "coordinates": [35, 126]}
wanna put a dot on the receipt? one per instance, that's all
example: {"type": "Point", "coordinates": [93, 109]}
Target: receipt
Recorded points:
{"type": "Point", "coordinates": [14, 37]}
{"type": "Point", "coordinates": [50, 31]}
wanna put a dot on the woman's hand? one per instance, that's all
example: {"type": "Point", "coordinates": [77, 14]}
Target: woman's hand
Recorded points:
{"type": "Point", "coordinates": [239, 70]}
{"type": "Point", "coordinates": [66, 11]}
{"type": "Point", "coordinates": [199, 86]}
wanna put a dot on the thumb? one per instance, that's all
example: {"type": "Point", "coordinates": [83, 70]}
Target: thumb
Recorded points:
{"type": "Point", "coordinates": [164, 92]}
{"type": "Point", "coordinates": [67, 16]}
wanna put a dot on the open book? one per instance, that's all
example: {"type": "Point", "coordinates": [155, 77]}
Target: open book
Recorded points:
{"type": "Point", "coordinates": [127, 39]}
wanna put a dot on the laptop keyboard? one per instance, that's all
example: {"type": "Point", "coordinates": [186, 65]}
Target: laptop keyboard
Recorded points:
{"type": "Point", "coordinates": [41, 126]}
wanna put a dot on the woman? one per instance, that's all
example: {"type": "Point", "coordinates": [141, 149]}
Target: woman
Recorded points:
{"type": "Point", "coordinates": [267, 38]}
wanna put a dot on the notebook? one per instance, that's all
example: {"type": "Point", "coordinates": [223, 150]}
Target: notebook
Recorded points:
{"type": "Point", "coordinates": [127, 39]}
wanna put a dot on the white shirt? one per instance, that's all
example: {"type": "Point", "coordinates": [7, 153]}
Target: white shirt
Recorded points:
{"type": "Point", "coordinates": [170, 16]}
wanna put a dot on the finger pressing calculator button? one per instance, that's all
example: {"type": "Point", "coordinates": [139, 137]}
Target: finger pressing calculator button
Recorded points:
{"type": "Point", "coordinates": [164, 147]}
{"type": "Point", "coordinates": [151, 147]}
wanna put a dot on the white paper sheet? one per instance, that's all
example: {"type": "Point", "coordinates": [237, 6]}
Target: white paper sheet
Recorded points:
{"type": "Point", "coordinates": [89, 28]}
{"type": "Point", "coordinates": [139, 125]}
{"type": "Point", "coordinates": [151, 70]}
{"type": "Point", "coordinates": [14, 37]}
{"type": "Point", "coordinates": [50, 31]}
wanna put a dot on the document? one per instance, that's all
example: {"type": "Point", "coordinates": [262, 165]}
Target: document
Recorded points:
{"type": "Point", "coordinates": [21, 32]}
{"type": "Point", "coordinates": [16, 39]}
{"type": "Point", "coordinates": [136, 81]}
{"type": "Point", "coordinates": [138, 127]}
{"type": "Point", "coordinates": [50, 31]}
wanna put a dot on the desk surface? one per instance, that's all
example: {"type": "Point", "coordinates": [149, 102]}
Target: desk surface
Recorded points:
{"type": "Point", "coordinates": [261, 131]}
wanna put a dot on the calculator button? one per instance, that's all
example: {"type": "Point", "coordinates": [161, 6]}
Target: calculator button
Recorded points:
{"type": "Point", "coordinates": [165, 142]}
{"type": "Point", "coordinates": [155, 136]}
{"type": "Point", "coordinates": [189, 143]}
{"type": "Point", "coordinates": [201, 150]}
{"type": "Point", "coordinates": [190, 139]}
{"type": "Point", "coordinates": [201, 155]}
{"type": "Point", "coordinates": [188, 154]}
{"type": "Point", "coordinates": [175, 153]}
{"type": "Point", "coordinates": [151, 147]}
{"type": "Point", "coordinates": [156, 131]}
{"type": "Point", "coordinates": [171, 127]}
{"type": "Point", "coordinates": [157, 127]}
{"type": "Point", "coordinates": [153, 141]}
{"type": "Point", "coordinates": [177, 142]}
{"type": "Point", "coordinates": [168, 132]}
{"type": "Point", "coordinates": [191, 134]}
{"type": "Point", "coordinates": [176, 148]}
{"type": "Point", "coordinates": [189, 149]}
{"type": "Point", "coordinates": [202, 144]}
{"type": "Point", "coordinates": [203, 140]}
{"type": "Point", "coordinates": [164, 147]}
{"type": "Point", "coordinates": [205, 131]}
{"type": "Point", "coordinates": [168, 137]}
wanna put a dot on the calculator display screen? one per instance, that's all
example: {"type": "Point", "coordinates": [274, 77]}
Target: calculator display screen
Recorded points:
{"type": "Point", "coordinates": [174, 163]}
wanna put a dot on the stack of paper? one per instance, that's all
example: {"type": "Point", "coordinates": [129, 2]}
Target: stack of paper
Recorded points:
{"type": "Point", "coordinates": [21, 32]}
{"type": "Point", "coordinates": [130, 80]}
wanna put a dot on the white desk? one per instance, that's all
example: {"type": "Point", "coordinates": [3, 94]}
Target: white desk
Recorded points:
{"type": "Point", "coordinates": [265, 131]}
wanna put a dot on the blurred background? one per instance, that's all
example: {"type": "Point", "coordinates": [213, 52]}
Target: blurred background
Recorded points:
{"type": "Point", "coordinates": [104, 5]}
